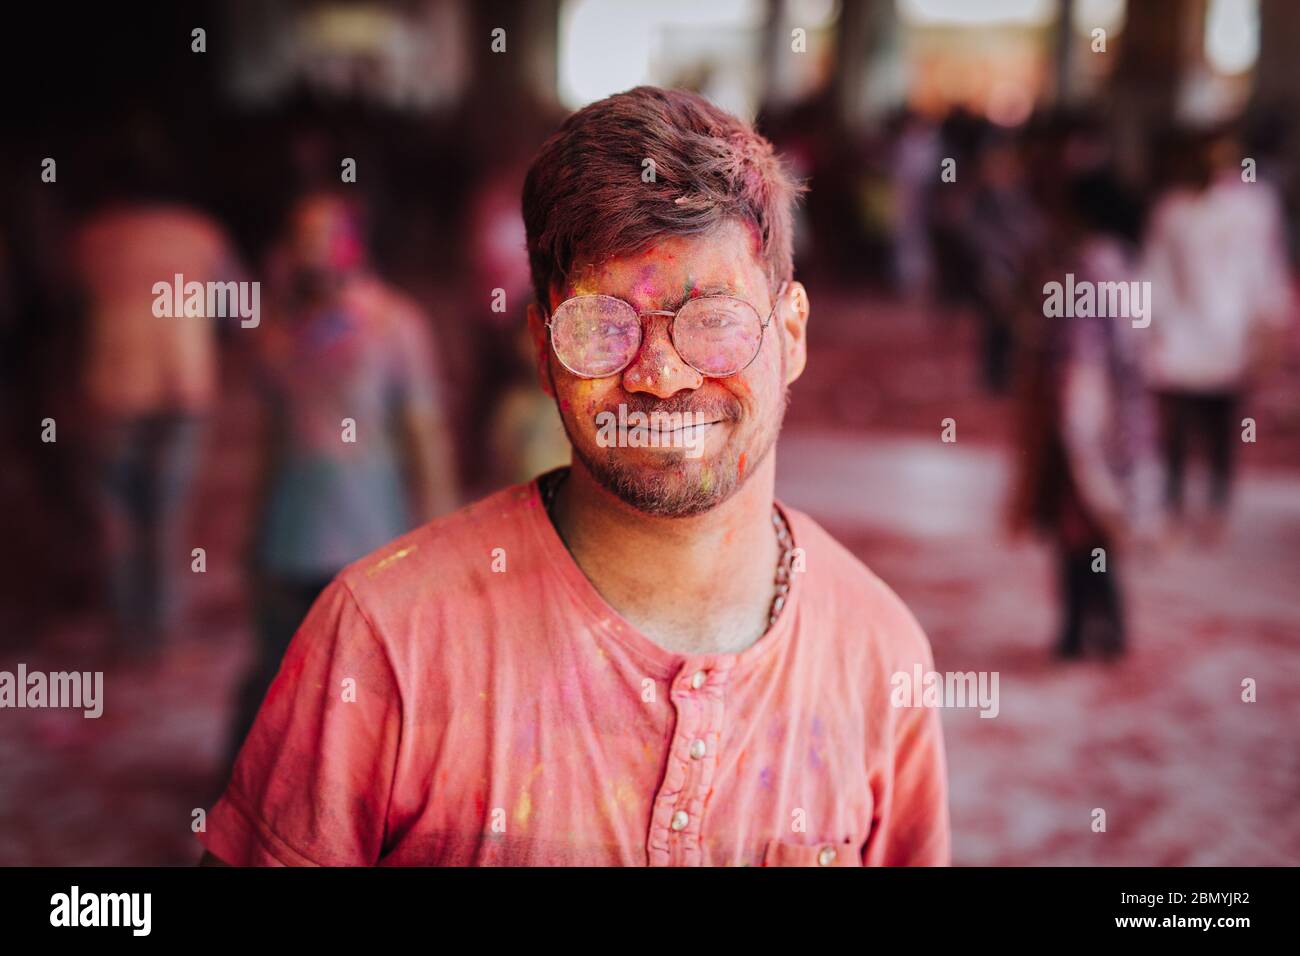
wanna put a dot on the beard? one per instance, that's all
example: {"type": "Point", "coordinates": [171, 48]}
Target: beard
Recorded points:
{"type": "Point", "coordinates": [680, 487]}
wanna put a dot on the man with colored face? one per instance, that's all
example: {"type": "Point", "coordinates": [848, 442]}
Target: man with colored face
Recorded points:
{"type": "Point", "coordinates": [643, 658]}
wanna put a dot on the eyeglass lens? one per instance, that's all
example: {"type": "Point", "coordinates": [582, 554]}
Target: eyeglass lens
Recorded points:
{"type": "Point", "coordinates": [599, 335]}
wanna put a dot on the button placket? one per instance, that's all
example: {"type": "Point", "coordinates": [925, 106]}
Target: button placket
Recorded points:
{"type": "Point", "coordinates": [697, 694]}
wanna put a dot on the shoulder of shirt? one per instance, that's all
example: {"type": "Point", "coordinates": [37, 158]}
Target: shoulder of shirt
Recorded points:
{"type": "Point", "coordinates": [840, 584]}
{"type": "Point", "coordinates": [446, 556]}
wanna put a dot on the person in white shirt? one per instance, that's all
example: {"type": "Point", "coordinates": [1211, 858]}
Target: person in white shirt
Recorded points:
{"type": "Point", "coordinates": [1216, 258]}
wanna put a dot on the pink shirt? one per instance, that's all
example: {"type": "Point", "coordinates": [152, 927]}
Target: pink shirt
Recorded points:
{"type": "Point", "coordinates": [433, 711]}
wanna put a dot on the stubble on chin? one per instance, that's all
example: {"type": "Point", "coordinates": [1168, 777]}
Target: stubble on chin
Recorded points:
{"type": "Point", "coordinates": [679, 489]}
{"type": "Point", "coordinates": [682, 488]}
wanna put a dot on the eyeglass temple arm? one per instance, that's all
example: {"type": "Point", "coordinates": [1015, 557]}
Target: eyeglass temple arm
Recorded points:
{"type": "Point", "coordinates": [775, 304]}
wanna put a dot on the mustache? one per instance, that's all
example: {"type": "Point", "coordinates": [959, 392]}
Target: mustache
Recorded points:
{"type": "Point", "coordinates": [714, 409]}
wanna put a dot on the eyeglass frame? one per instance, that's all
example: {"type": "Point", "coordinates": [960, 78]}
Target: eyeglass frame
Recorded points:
{"type": "Point", "coordinates": [762, 329]}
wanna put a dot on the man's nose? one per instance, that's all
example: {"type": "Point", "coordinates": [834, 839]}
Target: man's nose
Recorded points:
{"type": "Point", "coordinates": [657, 368]}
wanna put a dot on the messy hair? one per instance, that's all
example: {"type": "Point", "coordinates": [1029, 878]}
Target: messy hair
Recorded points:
{"type": "Point", "coordinates": [585, 193]}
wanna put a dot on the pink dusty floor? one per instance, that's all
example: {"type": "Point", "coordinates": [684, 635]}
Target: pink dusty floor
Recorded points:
{"type": "Point", "coordinates": [1186, 772]}
{"type": "Point", "coordinates": [1161, 740]}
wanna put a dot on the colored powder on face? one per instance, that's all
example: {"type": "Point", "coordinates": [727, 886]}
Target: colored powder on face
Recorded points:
{"type": "Point", "coordinates": [706, 480]}
{"type": "Point", "coordinates": [644, 291]}
{"type": "Point", "coordinates": [755, 239]}
{"type": "Point", "coordinates": [586, 284]}
{"type": "Point", "coordinates": [583, 392]}
{"type": "Point", "coordinates": [742, 386]}
{"type": "Point", "coordinates": [740, 466]}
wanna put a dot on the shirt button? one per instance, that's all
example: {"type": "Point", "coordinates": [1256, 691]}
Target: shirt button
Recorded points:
{"type": "Point", "coordinates": [680, 819]}
{"type": "Point", "coordinates": [827, 856]}
{"type": "Point", "coordinates": [698, 679]}
{"type": "Point", "coordinates": [697, 748]}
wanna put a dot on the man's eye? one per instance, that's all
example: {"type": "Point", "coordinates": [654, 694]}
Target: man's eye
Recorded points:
{"type": "Point", "coordinates": [715, 320]}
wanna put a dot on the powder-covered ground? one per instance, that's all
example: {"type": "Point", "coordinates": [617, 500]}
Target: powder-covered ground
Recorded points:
{"type": "Point", "coordinates": [1187, 772]}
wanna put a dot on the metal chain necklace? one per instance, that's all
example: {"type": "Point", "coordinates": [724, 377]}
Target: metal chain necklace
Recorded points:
{"type": "Point", "coordinates": [785, 544]}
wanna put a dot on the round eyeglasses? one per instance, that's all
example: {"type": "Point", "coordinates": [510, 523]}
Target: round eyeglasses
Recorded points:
{"type": "Point", "coordinates": [595, 336]}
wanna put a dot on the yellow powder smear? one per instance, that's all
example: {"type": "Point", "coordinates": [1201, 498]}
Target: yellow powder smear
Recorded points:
{"type": "Point", "coordinates": [524, 808]}
{"type": "Point", "coordinates": [395, 556]}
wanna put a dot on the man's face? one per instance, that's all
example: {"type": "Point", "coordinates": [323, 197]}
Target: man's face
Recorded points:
{"type": "Point", "coordinates": [700, 467]}
{"type": "Point", "coordinates": [323, 244]}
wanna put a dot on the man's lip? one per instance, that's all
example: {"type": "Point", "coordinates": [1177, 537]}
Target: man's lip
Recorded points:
{"type": "Point", "coordinates": [647, 428]}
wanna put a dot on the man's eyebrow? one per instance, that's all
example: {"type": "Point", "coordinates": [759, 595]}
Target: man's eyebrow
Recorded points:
{"type": "Point", "coordinates": [702, 291]}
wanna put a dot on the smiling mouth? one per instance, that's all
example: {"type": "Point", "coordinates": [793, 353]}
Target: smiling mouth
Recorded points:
{"type": "Point", "coordinates": [634, 428]}
{"type": "Point", "coordinates": [673, 430]}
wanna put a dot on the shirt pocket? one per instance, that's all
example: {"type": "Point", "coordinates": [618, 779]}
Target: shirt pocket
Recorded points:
{"type": "Point", "coordinates": [783, 853]}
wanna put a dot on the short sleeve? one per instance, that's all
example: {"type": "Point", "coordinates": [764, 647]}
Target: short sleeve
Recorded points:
{"type": "Point", "coordinates": [914, 829]}
{"type": "Point", "coordinates": [312, 782]}
{"type": "Point", "coordinates": [912, 826]}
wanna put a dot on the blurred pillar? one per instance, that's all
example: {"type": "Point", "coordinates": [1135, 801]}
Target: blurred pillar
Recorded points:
{"type": "Point", "coordinates": [528, 63]}
{"type": "Point", "coordinates": [868, 80]}
{"type": "Point", "coordinates": [772, 85]}
{"type": "Point", "coordinates": [1275, 99]}
{"type": "Point", "coordinates": [1063, 48]}
{"type": "Point", "coordinates": [520, 82]}
{"type": "Point", "coordinates": [1277, 81]}
{"type": "Point", "coordinates": [1160, 38]}
{"type": "Point", "coordinates": [253, 62]}
{"type": "Point", "coordinates": [782, 75]}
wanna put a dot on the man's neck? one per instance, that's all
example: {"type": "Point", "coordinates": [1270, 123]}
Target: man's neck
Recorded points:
{"type": "Point", "coordinates": [698, 585]}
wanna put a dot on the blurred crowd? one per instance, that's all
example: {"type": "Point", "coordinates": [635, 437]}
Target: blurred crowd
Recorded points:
{"type": "Point", "coordinates": [355, 386]}
{"type": "Point", "coordinates": [1111, 408]}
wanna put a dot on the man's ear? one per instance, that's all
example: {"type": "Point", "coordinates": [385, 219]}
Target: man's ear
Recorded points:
{"type": "Point", "coordinates": [541, 347]}
{"type": "Point", "coordinates": [793, 315]}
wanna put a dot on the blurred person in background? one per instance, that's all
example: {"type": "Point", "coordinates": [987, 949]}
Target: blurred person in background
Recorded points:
{"type": "Point", "coordinates": [1004, 232]}
{"type": "Point", "coordinates": [355, 447]}
{"type": "Point", "coordinates": [915, 159]}
{"type": "Point", "coordinates": [949, 212]}
{"type": "Point", "coordinates": [1087, 420]}
{"type": "Point", "coordinates": [527, 435]}
{"type": "Point", "coordinates": [524, 434]}
{"type": "Point", "coordinates": [1215, 254]}
{"type": "Point", "coordinates": [149, 382]}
